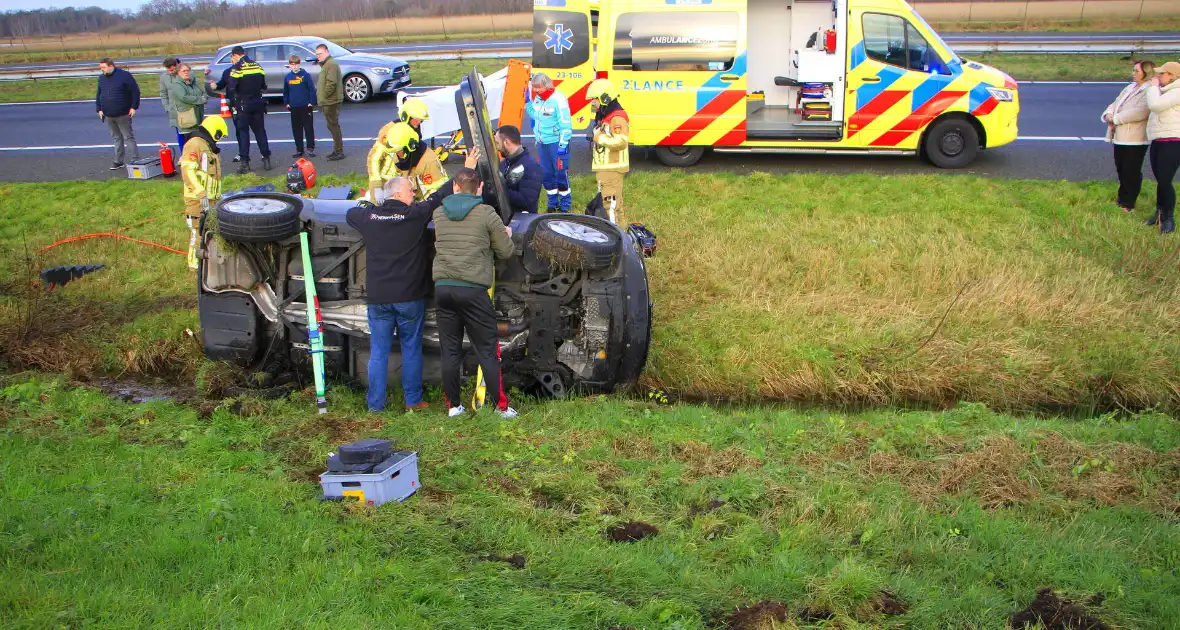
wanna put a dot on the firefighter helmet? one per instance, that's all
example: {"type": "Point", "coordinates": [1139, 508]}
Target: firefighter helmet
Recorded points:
{"type": "Point", "coordinates": [215, 125]}
{"type": "Point", "coordinates": [603, 91]}
{"type": "Point", "coordinates": [401, 137]}
{"type": "Point", "coordinates": [414, 108]}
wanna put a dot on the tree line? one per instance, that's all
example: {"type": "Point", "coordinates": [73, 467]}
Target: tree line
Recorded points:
{"type": "Point", "coordinates": [166, 15]}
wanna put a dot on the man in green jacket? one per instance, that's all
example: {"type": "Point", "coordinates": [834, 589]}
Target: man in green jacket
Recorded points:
{"type": "Point", "coordinates": [171, 67]}
{"type": "Point", "coordinates": [467, 234]}
{"type": "Point", "coordinates": [330, 93]}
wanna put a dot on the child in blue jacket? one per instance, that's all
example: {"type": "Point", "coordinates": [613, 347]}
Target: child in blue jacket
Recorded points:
{"type": "Point", "coordinates": [299, 97]}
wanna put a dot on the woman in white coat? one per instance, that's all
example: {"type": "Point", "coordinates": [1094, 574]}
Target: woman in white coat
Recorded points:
{"type": "Point", "coordinates": [1126, 128]}
{"type": "Point", "coordinates": [1163, 129]}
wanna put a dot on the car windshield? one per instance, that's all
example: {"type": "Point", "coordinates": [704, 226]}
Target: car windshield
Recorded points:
{"type": "Point", "coordinates": [336, 50]}
{"type": "Point", "coordinates": [954, 55]}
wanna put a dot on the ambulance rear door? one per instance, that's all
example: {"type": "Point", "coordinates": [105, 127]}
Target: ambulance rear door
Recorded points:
{"type": "Point", "coordinates": [680, 67]}
{"type": "Point", "coordinates": [563, 49]}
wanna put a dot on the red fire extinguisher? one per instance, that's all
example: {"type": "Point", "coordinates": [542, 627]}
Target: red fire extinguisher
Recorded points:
{"type": "Point", "coordinates": [830, 41]}
{"type": "Point", "coordinates": [166, 167]}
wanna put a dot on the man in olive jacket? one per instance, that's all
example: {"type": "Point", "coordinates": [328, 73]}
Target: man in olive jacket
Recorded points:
{"type": "Point", "coordinates": [467, 234]}
{"type": "Point", "coordinates": [330, 93]}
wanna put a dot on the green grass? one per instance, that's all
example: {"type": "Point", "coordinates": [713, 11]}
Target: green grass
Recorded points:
{"type": "Point", "coordinates": [423, 73]}
{"type": "Point", "coordinates": [118, 515]}
{"type": "Point", "coordinates": [1110, 25]}
{"type": "Point", "coordinates": [1068, 67]}
{"type": "Point", "coordinates": [844, 290]}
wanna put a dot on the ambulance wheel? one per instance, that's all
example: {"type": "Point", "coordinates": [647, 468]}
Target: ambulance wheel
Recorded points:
{"type": "Point", "coordinates": [258, 218]}
{"type": "Point", "coordinates": [679, 156]}
{"type": "Point", "coordinates": [573, 243]}
{"type": "Point", "coordinates": [951, 143]}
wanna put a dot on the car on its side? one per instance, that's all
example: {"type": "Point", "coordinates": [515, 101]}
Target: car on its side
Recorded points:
{"type": "Point", "coordinates": [573, 307]}
{"type": "Point", "coordinates": [363, 74]}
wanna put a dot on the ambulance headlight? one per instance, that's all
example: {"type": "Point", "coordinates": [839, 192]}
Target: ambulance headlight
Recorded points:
{"type": "Point", "coordinates": [1000, 94]}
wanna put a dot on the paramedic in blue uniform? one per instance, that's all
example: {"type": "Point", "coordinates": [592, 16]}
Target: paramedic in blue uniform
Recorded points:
{"type": "Point", "coordinates": [550, 113]}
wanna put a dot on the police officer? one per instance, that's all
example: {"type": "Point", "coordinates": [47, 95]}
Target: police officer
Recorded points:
{"type": "Point", "coordinates": [247, 82]}
{"type": "Point", "coordinates": [610, 156]}
{"type": "Point", "coordinates": [391, 157]}
{"type": "Point", "coordinates": [200, 171]}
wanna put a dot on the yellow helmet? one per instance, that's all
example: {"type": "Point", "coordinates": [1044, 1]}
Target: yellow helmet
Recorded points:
{"type": "Point", "coordinates": [414, 108]}
{"type": "Point", "coordinates": [603, 91]}
{"type": "Point", "coordinates": [401, 137]}
{"type": "Point", "coordinates": [215, 125]}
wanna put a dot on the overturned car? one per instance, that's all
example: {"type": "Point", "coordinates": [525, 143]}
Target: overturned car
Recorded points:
{"type": "Point", "coordinates": [572, 304]}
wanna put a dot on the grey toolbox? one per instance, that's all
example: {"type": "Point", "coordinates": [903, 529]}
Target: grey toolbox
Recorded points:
{"type": "Point", "coordinates": [144, 168]}
{"type": "Point", "coordinates": [395, 479]}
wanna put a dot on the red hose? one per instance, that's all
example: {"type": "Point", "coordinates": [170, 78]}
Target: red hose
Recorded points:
{"type": "Point", "coordinates": [85, 237]}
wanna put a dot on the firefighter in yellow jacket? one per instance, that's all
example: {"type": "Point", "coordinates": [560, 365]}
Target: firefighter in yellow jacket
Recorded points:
{"type": "Point", "coordinates": [200, 171]}
{"type": "Point", "coordinates": [392, 156]}
{"type": "Point", "coordinates": [610, 156]}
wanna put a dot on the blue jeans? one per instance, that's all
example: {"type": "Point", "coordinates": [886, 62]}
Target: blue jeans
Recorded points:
{"type": "Point", "coordinates": [557, 179]}
{"type": "Point", "coordinates": [407, 317]}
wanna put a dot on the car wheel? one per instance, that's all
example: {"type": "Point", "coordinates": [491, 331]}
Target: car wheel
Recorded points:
{"type": "Point", "coordinates": [952, 143]}
{"type": "Point", "coordinates": [258, 218]}
{"type": "Point", "coordinates": [576, 244]}
{"type": "Point", "coordinates": [357, 88]}
{"type": "Point", "coordinates": [679, 156]}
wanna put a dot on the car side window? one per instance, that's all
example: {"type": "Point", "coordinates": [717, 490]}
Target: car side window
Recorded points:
{"type": "Point", "coordinates": [267, 53]}
{"type": "Point", "coordinates": [303, 53]}
{"type": "Point", "coordinates": [225, 59]}
{"type": "Point", "coordinates": [890, 39]}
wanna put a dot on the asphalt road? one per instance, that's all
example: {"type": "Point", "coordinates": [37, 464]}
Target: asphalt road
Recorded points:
{"type": "Point", "coordinates": [1059, 129]}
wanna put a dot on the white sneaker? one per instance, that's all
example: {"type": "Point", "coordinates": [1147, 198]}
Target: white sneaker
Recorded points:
{"type": "Point", "coordinates": [508, 413]}
{"type": "Point", "coordinates": [456, 411]}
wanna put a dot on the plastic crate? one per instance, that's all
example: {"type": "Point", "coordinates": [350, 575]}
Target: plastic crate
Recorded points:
{"type": "Point", "coordinates": [144, 168]}
{"type": "Point", "coordinates": [395, 479]}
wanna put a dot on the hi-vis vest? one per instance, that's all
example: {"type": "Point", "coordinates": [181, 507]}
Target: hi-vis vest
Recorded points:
{"type": "Point", "coordinates": [610, 145]}
{"type": "Point", "coordinates": [200, 170]}
{"type": "Point", "coordinates": [425, 178]}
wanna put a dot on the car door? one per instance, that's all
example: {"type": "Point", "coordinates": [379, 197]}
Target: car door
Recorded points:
{"type": "Point", "coordinates": [273, 59]}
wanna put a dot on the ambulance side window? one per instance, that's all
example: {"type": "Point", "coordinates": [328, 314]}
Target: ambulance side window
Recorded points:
{"type": "Point", "coordinates": [561, 39]}
{"type": "Point", "coordinates": [698, 40]}
{"type": "Point", "coordinates": [892, 40]}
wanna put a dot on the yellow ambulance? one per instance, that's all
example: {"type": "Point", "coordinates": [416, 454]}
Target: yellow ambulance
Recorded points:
{"type": "Point", "coordinates": [776, 76]}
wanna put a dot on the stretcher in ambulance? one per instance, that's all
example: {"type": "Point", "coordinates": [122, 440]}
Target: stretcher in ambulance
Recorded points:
{"type": "Point", "coordinates": [784, 76]}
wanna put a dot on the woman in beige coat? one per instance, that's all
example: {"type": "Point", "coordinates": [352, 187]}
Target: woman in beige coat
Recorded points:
{"type": "Point", "coordinates": [1163, 129]}
{"type": "Point", "coordinates": [1126, 128]}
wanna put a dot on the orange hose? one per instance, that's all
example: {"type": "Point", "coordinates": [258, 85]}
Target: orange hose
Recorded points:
{"type": "Point", "coordinates": [85, 237]}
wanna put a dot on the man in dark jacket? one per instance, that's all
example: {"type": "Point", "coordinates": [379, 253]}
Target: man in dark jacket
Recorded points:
{"type": "Point", "coordinates": [467, 234]}
{"type": "Point", "coordinates": [299, 96]}
{"type": "Point", "coordinates": [397, 254]}
{"type": "Point", "coordinates": [116, 101]}
{"type": "Point", "coordinates": [247, 82]}
{"type": "Point", "coordinates": [522, 173]}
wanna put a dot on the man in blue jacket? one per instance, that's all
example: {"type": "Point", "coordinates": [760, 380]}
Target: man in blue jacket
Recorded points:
{"type": "Point", "coordinates": [299, 97]}
{"type": "Point", "coordinates": [116, 101]}
{"type": "Point", "coordinates": [551, 122]}
{"type": "Point", "coordinates": [522, 174]}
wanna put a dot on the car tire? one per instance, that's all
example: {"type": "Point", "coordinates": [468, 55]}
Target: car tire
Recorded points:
{"type": "Point", "coordinates": [357, 88]}
{"type": "Point", "coordinates": [679, 156]}
{"type": "Point", "coordinates": [571, 243]}
{"type": "Point", "coordinates": [259, 218]}
{"type": "Point", "coordinates": [951, 143]}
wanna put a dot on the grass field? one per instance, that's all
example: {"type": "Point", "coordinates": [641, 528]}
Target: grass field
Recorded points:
{"type": "Point", "coordinates": [851, 290]}
{"type": "Point", "coordinates": [1153, 25]}
{"type": "Point", "coordinates": [1068, 67]}
{"type": "Point", "coordinates": [120, 515]}
{"type": "Point", "coordinates": [424, 73]}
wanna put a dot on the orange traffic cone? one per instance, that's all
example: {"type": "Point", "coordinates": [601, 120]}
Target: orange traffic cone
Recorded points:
{"type": "Point", "coordinates": [225, 113]}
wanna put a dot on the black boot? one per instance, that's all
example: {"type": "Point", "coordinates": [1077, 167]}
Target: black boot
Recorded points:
{"type": "Point", "coordinates": [244, 167]}
{"type": "Point", "coordinates": [1167, 226]}
{"type": "Point", "coordinates": [266, 162]}
{"type": "Point", "coordinates": [1154, 219]}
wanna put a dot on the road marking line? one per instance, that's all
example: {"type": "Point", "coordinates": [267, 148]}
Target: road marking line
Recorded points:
{"type": "Point", "coordinates": [415, 88]}
{"type": "Point", "coordinates": [1073, 82]}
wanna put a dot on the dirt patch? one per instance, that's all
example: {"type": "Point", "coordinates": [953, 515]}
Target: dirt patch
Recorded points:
{"type": "Point", "coordinates": [516, 560]}
{"type": "Point", "coordinates": [632, 531]}
{"type": "Point", "coordinates": [991, 473]}
{"type": "Point", "coordinates": [696, 510]}
{"type": "Point", "coordinates": [1056, 613]}
{"type": "Point", "coordinates": [815, 614]}
{"type": "Point", "coordinates": [761, 616]}
{"type": "Point", "coordinates": [301, 447]}
{"type": "Point", "coordinates": [635, 446]}
{"type": "Point", "coordinates": [136, 393]}
{"type": "Point", "coordinates": [703, 460]}
{"type": "Point", "coordinates": [887, 603]}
